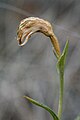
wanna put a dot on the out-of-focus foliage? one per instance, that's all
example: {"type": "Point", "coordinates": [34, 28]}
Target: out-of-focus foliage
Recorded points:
{"type": "Point", "coordinates": [78, 118]}
{"type": "Point", "coordinates": [31, 70]}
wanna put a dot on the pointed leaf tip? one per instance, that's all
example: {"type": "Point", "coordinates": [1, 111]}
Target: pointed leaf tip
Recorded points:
{"type": "Point", "coordinates": [42, 106]}
{"type": "Point", "coordinates": [62, 58]}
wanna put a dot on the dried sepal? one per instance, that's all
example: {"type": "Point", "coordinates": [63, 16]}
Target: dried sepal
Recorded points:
{"type": "Point", "coordinates": [31, 25]}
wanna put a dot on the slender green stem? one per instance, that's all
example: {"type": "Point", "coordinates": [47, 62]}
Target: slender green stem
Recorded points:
{"type": "Point", "coordinates": [61, 94]}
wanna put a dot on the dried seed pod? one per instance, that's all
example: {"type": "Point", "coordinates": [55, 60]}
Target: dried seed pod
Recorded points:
{"type": "Point", "coordinates": [31, 25]}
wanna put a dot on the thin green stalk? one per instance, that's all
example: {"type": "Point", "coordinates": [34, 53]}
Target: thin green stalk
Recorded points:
{"type": "Point", "coordinates": [26, 28]}
{"type": "Point", "coordinates": [61, 95]}
{"type": "Point", "coordinates": [60, 68]}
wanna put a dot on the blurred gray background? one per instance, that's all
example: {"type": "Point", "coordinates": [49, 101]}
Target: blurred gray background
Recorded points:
{"type": "Point", "coordinates": [31, 70]}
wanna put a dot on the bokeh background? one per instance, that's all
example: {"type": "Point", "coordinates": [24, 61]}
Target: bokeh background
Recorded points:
{"type": "Point", "coordinates": [31, 70]}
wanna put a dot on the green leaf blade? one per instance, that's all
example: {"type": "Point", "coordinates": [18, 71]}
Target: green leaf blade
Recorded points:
{"type": "Point", "coordinates": [42, 106]}
{"type": "Point", "coordinates": [62, 59]}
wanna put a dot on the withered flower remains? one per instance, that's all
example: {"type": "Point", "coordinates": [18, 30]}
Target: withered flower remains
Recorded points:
{"type": "Point", "coordinates": [31, 25]}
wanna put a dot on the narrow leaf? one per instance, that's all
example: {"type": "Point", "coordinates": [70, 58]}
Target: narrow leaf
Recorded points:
{"type": "Point", "coordinates": [42, 106]}
{"type": "Point", "coordinates": [62, 59]}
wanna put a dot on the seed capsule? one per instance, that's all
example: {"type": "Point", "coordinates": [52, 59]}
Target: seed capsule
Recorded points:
{"type": "Point", "coordinates": [31, 25]}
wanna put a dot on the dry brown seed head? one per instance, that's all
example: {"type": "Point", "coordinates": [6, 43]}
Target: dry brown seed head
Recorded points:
{"type": "Point", "coordinates": [31, 25]}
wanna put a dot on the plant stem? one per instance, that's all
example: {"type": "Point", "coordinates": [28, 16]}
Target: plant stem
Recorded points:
{"type": "Point", "coordinates": [61, 74]}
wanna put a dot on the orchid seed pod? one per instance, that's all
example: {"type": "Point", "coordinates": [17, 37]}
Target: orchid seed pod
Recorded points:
{"type": "Point", "coordinates": [31, 25]}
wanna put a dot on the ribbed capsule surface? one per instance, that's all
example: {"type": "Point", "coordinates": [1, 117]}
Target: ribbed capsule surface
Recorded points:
{"type": "Point", "coordinates": [29, 26]}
